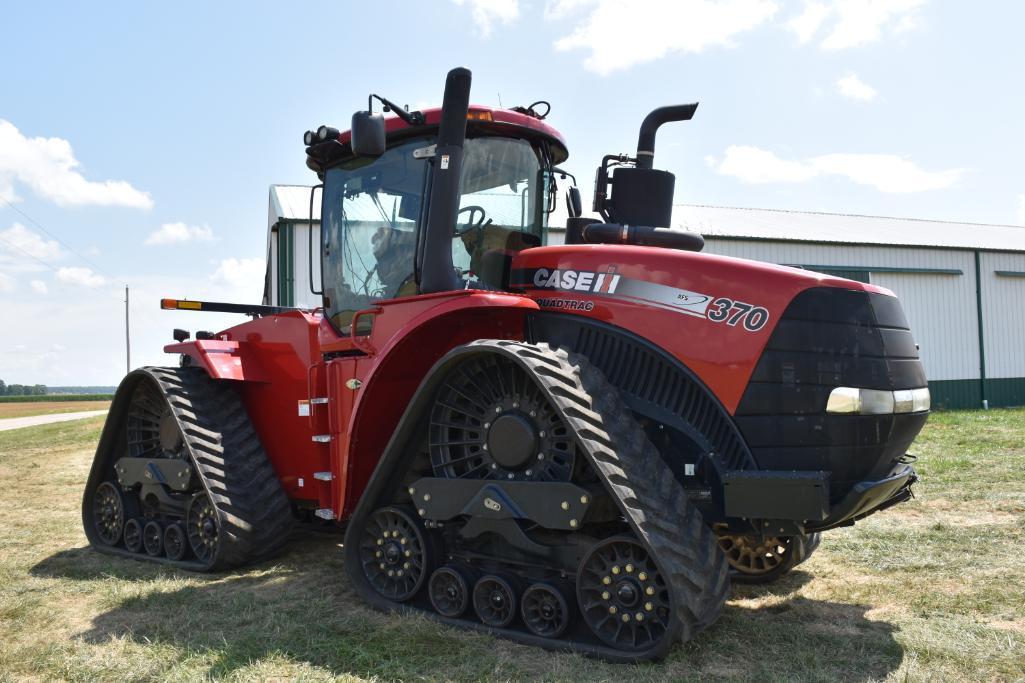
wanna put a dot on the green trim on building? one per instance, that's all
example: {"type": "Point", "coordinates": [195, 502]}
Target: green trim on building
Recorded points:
{"type": "Point", "coordinates": [1010, 273]}
{"type": "Point", "coordinates": [958, 394]}
{"type": "Point", "coordinates": [785, 240]}
{"type": "Point", "coordinates": [286, 265]}
{"type": "Point", "coordinates": [982, 336]}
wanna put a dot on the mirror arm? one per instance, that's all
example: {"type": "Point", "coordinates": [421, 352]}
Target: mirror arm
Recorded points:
{"type": "Point", "coordinates": [412, 118]}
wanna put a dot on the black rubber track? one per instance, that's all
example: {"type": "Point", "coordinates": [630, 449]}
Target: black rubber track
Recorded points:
{"type": "Point", "coordinates": [649, 496]}
{"type": "Point", "coordinates": [255, 516]}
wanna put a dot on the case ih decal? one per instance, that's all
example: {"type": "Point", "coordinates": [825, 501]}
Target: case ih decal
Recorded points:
{"type": "Point", "coordinates": [608, 283]}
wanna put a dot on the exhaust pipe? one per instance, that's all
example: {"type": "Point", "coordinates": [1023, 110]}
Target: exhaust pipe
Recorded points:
{"type": "Point", "coordinates": [437, 273]}
{"type": "Point", "coordinates": [650, 126]}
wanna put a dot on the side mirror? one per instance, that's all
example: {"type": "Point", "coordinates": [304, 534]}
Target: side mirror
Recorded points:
{"type": "Point", "coordinates": [368, 139]}
{"type": "Point", "coordinates": [574, 205]}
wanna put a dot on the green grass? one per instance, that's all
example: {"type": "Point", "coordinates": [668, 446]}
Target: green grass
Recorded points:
{"type": "Point", "coordinates": [930, 590]}
{"type": "Point", "coordinates": [56, 397]}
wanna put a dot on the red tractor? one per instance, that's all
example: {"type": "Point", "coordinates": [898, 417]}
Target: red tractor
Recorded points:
{"type": "Point", "coordinates": [572, 446]}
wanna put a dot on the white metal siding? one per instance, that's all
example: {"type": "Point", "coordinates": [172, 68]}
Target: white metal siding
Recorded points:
{"type": "Point", "coordinates": [304, 298]}
{"type": "Point", "coordinates": [1003, 308]}
{"type": "Point", "coordinates": [940, 308]}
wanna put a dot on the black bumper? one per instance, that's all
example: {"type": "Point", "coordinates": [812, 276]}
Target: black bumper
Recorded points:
{"type": "Point", "coordinates": [802, 498]}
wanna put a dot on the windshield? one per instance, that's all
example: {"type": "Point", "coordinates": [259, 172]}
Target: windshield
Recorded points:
{"type": "Point", "coordinates": [373, 208]}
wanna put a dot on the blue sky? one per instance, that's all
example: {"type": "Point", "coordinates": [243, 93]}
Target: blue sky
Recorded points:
{"type": "Point", "coordinates": [137, 141]}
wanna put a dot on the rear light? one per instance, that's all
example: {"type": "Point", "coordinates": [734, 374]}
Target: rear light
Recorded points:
{"type": "Point", "coordinates": [854, 401]}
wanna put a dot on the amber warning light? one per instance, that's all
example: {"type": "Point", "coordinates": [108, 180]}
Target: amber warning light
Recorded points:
{"type": "Point", "coordinates": [175, 304]}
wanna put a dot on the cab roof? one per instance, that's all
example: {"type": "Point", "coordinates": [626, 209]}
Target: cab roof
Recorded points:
{"type": "Point", "coordinates": [479, 118]}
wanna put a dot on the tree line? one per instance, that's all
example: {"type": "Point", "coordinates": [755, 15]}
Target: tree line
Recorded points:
{"type": "Point", "coordinates": [22, 389]}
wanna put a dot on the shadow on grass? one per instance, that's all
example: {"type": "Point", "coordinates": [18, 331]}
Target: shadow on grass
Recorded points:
{"type": "Point", "coordinates": [301, 610]}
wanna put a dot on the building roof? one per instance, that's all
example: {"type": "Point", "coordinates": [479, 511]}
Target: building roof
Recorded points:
{"type": "Point", "coordinates": [810, 226]}
{"type": "Point", "coordinates": [292, 203]}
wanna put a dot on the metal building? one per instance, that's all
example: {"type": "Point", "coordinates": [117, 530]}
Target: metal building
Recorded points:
{"type": "Point", "coordinates": [289, 281]}
{"type": "Point", "coordinates": [962, 285]}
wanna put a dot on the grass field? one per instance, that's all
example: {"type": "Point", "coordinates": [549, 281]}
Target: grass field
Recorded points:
{"type": "Point", "coordinates": [49, 408]}
{"type": "Point", "coordinates": [931, 590]}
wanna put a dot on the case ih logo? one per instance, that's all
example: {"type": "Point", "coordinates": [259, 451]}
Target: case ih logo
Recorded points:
{"type": "Point", "coordinates": [577, 280]}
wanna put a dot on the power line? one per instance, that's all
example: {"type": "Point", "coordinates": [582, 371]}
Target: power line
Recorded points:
{"type": "Point", "coordinates": [66, 245]}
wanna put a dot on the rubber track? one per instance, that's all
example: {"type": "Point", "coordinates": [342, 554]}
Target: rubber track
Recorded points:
{"type": "Point", "coordinates": [255, 514]}
{"type": "Point", "coordinates": [649, 496]}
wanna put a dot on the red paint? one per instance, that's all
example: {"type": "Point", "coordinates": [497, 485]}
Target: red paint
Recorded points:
{"type": "Point", "coordinates": [278, 361]}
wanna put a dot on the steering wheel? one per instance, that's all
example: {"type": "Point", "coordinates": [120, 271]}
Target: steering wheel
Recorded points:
{"type": "Point", "coordinates": [476, 212]}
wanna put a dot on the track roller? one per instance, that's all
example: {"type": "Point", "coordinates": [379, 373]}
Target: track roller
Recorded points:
{"type": "Point", "coordinates": [175, 544]}
{"type": "Point", "coordinates": [153, 538]}
{"type": "Point", "coordinates": [449, 590]}
{"type": "Point", "coordinates": [545, 610]}
{"type": "Point", "coordinates": [494, 600]}
{"type": "Point", "coordinates": [133, 536]}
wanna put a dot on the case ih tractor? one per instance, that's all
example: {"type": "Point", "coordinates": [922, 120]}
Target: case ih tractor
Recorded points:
{"type": "Point", "coordinates": [572, 446]}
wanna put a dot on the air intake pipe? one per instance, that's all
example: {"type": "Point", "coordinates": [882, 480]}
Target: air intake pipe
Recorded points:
{"type": "Point", "coordinates": [436, 272]}
{"type": "Point", "coordinates": [650, 125]}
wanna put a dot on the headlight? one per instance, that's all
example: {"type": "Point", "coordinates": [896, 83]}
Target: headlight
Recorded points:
{"type": "Point", "coordinates": [854, 401]}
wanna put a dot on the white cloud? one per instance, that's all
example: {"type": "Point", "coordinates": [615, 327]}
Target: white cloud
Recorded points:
{"type": "Point", "coordinates": [885, 172]}
{"type": "Point", "coordinates": [1021, 208]}
{"type": "Point", "coordinates": [859, 22]}
{"type": "Point", "coordinates": [82, 277]}
{"type": "Point", "coordinates": [240, 280]}
{"type": "Point", "coordinates": [39, 287]}
{"type": "Point", "coordinates": [177, 233]}
{"type": "Point", "coordinates": [7, 283]}
{"type": "Point", "coordinates": [856, 89]}
{"type": "Point", "coordinates": [48, 166]}
{"type": "Point", "coordinates": [486, 13]}
{"type": "Point", "coordinates": [657, 28]}
{"type": "Point", "coordinates": [754, 165]}
{"type": "Point", "coordinates": [807, 23]}
{"type": "Point", "coordinates": [17, 241]}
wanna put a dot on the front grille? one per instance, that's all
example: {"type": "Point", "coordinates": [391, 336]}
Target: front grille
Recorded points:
{"type": "Point", "coordinates": [830, 337]}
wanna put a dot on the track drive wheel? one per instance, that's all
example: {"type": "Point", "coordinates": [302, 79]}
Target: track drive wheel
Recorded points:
{"type": "Point", "coordinates": [756, 559]}
{"type": "Point", "coordinates": [545, 610]}
{"type": "Point", "coordinates": [396, 552]}
{"type": "Point", "coordinates": [449, 590]}
{"type": "Point", "coordinates": [108, 513]}
{"type": "Point", "coordinates": [623, 597]}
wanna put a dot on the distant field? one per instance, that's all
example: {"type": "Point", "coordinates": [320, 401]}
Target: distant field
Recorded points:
{"type": "Point", "coordinates": [931, 590]}
{"type": "Point", "coordinates": [56, 398]}
{"type": "Point", "coordinates": [26, 409]}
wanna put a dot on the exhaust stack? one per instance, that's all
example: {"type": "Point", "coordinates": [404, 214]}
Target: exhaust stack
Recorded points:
{"type": "Point", "coordinates": [436, 271]}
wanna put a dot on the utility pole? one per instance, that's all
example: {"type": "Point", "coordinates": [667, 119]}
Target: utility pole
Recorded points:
{"type": "Point", "coordinates": [128, 342]}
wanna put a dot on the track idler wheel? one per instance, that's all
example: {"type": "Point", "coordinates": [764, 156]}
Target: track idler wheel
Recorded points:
{"type": "Point", "coordinates": [449, 590]}
{"type": "Point", "coordinates": [153, 538]}
{"type": "Point", "coordinates": [494, 600]}
{"type": "Point", "coordinates": [133, 536]}
{"type": "Point", "coordinates": [623, 597]}
{"type": "Point", "coordinates": [108, 512]}
{"type": "Point", "coordinates": [203, 527]}
{"type": "Point", "coordinates": [396, 553]}
{"type": "Point", "coordinates": [175, 544]}
{"type": "Point", "coordinates": [545, 610]}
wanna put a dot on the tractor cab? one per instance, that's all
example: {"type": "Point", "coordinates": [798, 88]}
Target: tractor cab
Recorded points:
{"type": "Point", "coordinates": [377, 200]}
